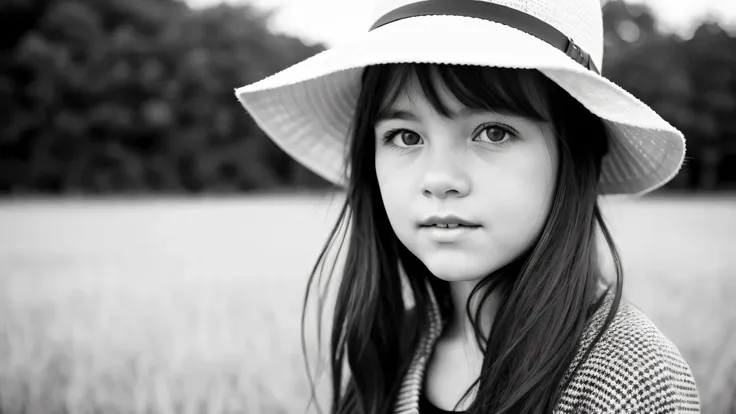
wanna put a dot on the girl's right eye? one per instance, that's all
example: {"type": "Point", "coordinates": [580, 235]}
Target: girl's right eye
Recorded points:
{"type": "Point", "coordinates": [403, 138]}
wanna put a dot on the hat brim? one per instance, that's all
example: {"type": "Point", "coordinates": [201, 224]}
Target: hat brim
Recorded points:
{"type": "Point", "coordinates": [307, 108]}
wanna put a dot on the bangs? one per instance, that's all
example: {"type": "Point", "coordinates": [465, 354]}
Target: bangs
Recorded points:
{"type": "Point", "coordinates": [519, 92]}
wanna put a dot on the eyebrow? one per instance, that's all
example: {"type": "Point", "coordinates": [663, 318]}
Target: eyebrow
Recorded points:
{"type": "Point", "coordinates": [394, 114]}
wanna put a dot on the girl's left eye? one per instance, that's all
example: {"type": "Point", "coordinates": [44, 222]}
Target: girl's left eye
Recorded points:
{"type": "Point", "coordinates": [494, 134]}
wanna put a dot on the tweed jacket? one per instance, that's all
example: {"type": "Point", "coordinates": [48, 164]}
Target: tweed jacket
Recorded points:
{"type": "Point", "coordinates": [634, 368]}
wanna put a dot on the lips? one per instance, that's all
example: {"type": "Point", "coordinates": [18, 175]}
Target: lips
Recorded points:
{"type": "Point", "coordinates": [448, 225]}
{"type": "Point", "coordinates": [447, 222]}
{"type": "Point", "coordinates": [448, 230]}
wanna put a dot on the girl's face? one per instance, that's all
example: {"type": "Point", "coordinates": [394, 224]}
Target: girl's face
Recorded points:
{"type": "Point", "coordinates": [466, 194]}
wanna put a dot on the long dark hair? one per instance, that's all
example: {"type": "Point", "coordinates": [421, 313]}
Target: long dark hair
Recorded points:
{"type": "Point", "coordinates": [547, 294]}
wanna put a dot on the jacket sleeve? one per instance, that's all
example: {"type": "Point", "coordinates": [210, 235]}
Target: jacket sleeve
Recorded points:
{"type": "Point", "coordinates": [633, 369]}
{"type": "Point", "coordinates": [664, 382]}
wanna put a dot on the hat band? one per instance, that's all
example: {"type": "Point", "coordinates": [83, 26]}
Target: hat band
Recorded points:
{"type": "Point", "coordinates": [494, 13]}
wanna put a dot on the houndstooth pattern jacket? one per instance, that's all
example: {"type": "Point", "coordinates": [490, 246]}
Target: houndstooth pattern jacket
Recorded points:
{"type": "Point", "coordinates": [634, 368]}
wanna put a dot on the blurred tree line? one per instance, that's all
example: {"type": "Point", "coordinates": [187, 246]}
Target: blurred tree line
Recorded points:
{"type": "Point", "coordinates": [690, 83]}
{"type": "Point", "coordinates": [137, 96]}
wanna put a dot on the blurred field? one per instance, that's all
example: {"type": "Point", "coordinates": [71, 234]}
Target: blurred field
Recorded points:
{"type": "Point", "coordinates": [193, 306]}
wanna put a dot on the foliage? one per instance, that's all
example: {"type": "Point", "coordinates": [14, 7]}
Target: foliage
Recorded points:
{"type": "Point", "coordinates": [132, 96]}
{"type": "Point", "coordinates": [691, 83]}
{"type": "Point", "coordinates": [136, 96]}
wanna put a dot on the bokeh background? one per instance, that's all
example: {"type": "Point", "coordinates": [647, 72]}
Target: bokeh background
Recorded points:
{"type": "Point", "coordinates": [155, 245]}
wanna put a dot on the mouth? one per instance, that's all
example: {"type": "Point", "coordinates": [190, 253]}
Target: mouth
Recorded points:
{"type": "Point", "coordinates": [449, 225]}
{"type": "Point", "coordinates": [447, 222]}
{"type": "Point", "coordinates": [448, 229]}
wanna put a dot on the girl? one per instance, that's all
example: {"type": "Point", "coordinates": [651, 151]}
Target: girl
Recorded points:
{"type": "Point", "coordinates": [474, 137]}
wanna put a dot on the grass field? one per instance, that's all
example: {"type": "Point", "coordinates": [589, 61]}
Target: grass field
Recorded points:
{"type": "Point", "coordinates": [193, 306]}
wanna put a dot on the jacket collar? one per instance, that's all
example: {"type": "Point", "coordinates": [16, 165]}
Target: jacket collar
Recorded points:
{"type": "Point", "coordinates": [407, 401]}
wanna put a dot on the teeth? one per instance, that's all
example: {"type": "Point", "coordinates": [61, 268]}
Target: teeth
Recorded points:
{"type": "Point", "coordinates": [452, 226]}
{"type": "Point", "coordinates": [443, 226]}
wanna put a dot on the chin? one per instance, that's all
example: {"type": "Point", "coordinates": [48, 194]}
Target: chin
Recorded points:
{"type": "Point", "coordinates": [456, 272]}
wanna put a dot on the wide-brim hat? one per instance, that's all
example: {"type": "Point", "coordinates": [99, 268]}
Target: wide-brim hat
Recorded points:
{"type": "Point", "coordinates": [307, 108]}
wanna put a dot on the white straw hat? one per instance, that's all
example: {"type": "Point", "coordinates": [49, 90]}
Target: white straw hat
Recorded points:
{"type": "Point", "coordinates": [307, 108]}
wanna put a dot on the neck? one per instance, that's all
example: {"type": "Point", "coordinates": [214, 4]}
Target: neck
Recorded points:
{"type": "Point", "coordinates": [461, 327]}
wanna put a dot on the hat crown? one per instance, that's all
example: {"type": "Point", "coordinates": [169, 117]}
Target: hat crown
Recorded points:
{"type": "Point", "coordinates": [580, 20]}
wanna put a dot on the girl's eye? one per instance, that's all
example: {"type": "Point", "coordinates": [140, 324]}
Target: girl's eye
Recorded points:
{"type": "Point", "coordinates": [403, 138]}
{"type": "Point", "coordinates": [493, 134]}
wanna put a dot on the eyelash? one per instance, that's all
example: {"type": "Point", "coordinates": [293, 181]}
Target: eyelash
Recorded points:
{"type": "Point", "coordinates": [389, 135]}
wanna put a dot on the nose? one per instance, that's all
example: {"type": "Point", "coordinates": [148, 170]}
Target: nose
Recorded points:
{"type": "Point", "coordinates": [445, 176]}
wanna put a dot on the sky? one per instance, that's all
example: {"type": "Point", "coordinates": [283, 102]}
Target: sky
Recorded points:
{"type": "Point", "coordinates": [334, 21]}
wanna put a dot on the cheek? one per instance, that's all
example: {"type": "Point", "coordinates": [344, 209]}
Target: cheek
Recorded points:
{"type": "Point", "coordinates": [399, 195]}
{"type": "Point", "coordinates": [392, 191]}
{"type": "Point", "coordinates": [390, 167]}
{"type": "Point", "coordinates": [528, 195]}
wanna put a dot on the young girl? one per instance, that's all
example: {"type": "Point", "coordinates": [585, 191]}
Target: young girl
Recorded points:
{"type": "Point", "coordinates": [473, 138]}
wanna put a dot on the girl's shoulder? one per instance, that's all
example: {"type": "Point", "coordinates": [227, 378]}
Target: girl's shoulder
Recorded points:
{"type": "Point", "coordinates": [633, 368]}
